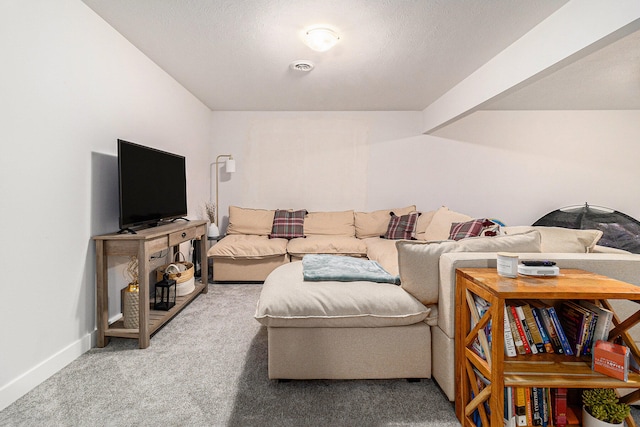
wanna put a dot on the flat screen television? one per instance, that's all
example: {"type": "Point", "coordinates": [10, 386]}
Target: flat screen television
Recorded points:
{"type": "Point", "coordinates": [152, 185]}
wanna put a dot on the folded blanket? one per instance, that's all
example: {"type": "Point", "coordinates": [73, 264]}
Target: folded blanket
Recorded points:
{"type": "Point", "coordinates": [339, 268]}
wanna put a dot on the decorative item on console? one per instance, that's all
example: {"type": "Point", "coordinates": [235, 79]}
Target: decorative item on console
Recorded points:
{"type": "Point", "coordinates": [165, 297]}
{"type": "Point", "coordinates": [131, 296]}
{"type": "Point", "coordinates": [210, 214]}
{"type": "Point", "coordinates": [180, 271]}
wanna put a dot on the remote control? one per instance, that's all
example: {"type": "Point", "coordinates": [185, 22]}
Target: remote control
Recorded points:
{"type": "Point", "coordinates": [539, 263]}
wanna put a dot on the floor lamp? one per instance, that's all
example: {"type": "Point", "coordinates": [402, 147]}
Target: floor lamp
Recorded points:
{"type": "Point", "coordinates": [230, 167]}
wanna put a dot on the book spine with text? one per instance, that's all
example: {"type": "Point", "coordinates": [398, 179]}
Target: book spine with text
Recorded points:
{"type": "Point", "coordinates": [558, 327]}
{"type": "Point", "coordinates": [525, 328]}
{"type": "Point", "coordinates": [521, 403]}
{"type": "Point", "coordinates": [546, 341]}
{"type": "Point", "coordinates": [509, 343]}
{"type": "Point", "coordinates": [551, 330]}
{"type": "Point", "coordinates": [533, 328]}
{"type": "Point", "coordinates": [517, 338]}
{"type": "Point", "coordinates": [560, 407]}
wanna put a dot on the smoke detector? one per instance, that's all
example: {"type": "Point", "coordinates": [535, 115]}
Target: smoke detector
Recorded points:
{"type": "Point", "coordinates": [302, 65]}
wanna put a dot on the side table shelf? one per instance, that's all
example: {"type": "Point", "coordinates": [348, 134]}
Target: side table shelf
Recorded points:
{"type": "Point", "coordinates": [548, 370]}
{"type": "Point", "coordinates": [142, 244]}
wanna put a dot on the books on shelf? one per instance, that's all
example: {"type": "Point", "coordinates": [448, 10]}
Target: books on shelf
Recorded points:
{"type": "Point", "coordinates": [576, 321]}
{"type": "Point", "coordinates": [481, 306]}
{"type": "Point", "coordinates": [566, 347]}
{"type": "Point", "coordinates": [603, 322]}
{"type": "Point", "coordinates": [535, 406]}
{"type": "Point", "coordinates": [611, 359]}
{"type": "Point", "coordinates": [509, 407]}
{"type": "Point", "coordinates": [520, 329]}
{"type": "Point", "coordinates": [559, 396]}
{"type": "Point", "coordinates": [527, 331]}
{"type": "Point", "coordinates": [546, 341]}
{"type": "Point", "coordinates": [521, 406]}
{"type": "Point", "coordinates": [531, 327]}
{"type": "Point", "coordinates": [517, 338]}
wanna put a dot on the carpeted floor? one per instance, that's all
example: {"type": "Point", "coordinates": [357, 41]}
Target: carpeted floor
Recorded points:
{"type": "Point", "coordinates": [208, 367]}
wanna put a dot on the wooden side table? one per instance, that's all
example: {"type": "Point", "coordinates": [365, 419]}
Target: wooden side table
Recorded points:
{"type": "Point", "coordinates": [544, 370]}
{"type": "Point", "coordinates": [142, 244]}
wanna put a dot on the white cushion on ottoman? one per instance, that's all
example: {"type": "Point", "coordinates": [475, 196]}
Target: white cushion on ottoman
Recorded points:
{"type": "Point", "coordinates": [287, 300]}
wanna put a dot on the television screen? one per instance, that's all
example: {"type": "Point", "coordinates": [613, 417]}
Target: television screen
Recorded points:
{"type": "Point", "coordinates": [153, 185]}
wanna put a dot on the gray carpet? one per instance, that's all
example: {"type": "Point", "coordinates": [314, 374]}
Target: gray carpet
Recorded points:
{"type": "Point", "coordinates": [208, 367]}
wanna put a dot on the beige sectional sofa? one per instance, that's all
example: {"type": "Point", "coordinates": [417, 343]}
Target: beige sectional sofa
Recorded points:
{"type": "Point", "coordinates": [338, 330]}
{"type": "Point", "coordinates": [246, 253]}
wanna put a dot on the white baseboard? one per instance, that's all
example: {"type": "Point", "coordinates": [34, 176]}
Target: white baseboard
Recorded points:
{"type": "Point", "coordinates": [26, 382]}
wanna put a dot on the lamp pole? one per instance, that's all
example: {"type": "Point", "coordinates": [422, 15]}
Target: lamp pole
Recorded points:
{"type": "Point", "coordinates": [230, 167]}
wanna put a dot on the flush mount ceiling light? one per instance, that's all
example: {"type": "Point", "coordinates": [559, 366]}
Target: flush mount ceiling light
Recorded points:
{"type": "Point", "coordinates": [321, 39]}
{"type": "Point", "coordinates": [302, 65]}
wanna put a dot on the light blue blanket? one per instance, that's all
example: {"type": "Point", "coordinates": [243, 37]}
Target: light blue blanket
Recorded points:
{"type": "Point", "coordinates": [339, 268]}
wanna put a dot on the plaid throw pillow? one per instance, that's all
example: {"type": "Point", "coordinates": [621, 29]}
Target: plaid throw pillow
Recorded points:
{"type": "Point", "coordinates": [402, 227]}
{"type": "Point", "coordinates": [474, 228]}
{"type": "Point", "coordinates": [288, 224]}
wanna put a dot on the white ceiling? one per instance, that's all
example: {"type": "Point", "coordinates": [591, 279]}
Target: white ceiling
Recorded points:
{"type": "Point", "coordinates": [393, 54]}
{"type": "Point", "coordinates": [608, 79]}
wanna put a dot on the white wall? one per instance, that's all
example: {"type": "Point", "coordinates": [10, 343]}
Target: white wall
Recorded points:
{"type": "Point", "coordinates": [70, 86]}
{"type": "Point", "coordinates": [511, 165]}
{"type": "Point", "coordinates": [294, 159]}
{"type": "Point", "coordinates": [520, 165]}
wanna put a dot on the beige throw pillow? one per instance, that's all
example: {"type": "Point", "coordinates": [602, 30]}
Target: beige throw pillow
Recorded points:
{"type": "Point", "coordinates": [374, 224]}
{"type": "Point", "coordinates": [418, 262]}
{"type": "Point", "coordinates": [423, 222]}
{"type": "Point", "coordinates": [561, 240]}
{"type": "Point", "coordinates": [250, 221]}
{"type": "Point", "coordinates": [440, 225]}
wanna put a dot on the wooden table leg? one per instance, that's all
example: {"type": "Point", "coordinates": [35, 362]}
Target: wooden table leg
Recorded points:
{"type": "Point", "coordinates": [204, 263]}
{"type": "Point", "coordinates": [102, 301]}
{"type": "Point", "coordinates": [143, 281]}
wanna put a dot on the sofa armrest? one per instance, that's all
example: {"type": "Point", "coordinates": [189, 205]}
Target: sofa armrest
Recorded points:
{"type": "Point", "coordinates": [597, 249]}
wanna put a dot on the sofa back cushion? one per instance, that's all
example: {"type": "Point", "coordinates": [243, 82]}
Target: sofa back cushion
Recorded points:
{"type": "Point", "coordinates": [561, 240]}
{"type": "Point", "coordinates": [418, 261]}
{"type": "Point", "coordinates": [423, 223]}
{"type": "Point", "coordinates": [250, 221]}
{"type": "Point", "coordinates": [330, 224]}
{"type": "Point", "coordinates": [374, 224]}
{"type": "Point", "coordinates": [440, 226]}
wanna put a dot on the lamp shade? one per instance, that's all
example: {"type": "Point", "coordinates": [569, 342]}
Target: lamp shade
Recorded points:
{"type": "Point", "coordinates": [230, 165]}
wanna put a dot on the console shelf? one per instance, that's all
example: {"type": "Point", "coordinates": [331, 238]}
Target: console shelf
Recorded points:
{"type": "Point", "coordinates": [543, 370]}
{"type": "Point", "coordinates": [142, 245]}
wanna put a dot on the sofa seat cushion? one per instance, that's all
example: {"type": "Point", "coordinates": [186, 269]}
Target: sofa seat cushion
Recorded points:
{"type": "Point", "coordinates": [384, 252]}
{"type": "Point", "coordinates": [241, 246]}
{"type": "Point", "coordinates": [335, 245]}
{"type": "Point", "coordinates": [287, 300]}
